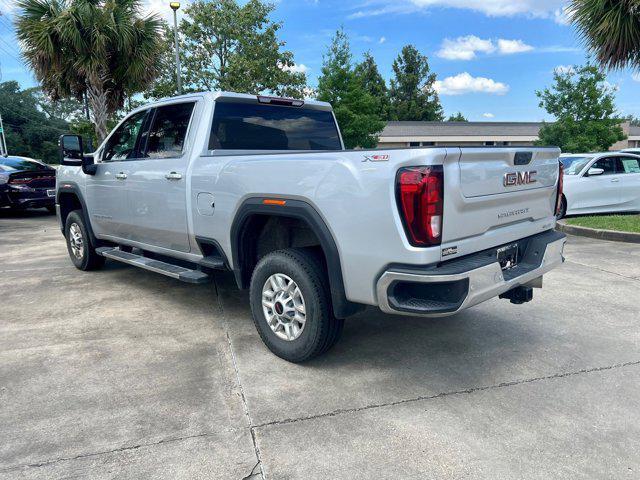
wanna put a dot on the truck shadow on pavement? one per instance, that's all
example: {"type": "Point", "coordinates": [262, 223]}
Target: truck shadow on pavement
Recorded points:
{"type": "Point", "coordinates": [385, 359]}
{"type": "Point", "coordinates": [481, 338]}
{"type": "Point", "coordinates": [478, 340]}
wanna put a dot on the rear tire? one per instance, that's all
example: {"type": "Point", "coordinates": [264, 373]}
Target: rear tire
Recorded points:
{"type": "Point", "coordinates": [291, 305]}
{"type": "Point", "coordinates": [563, 208]}
{"type": "Point", "coordinates": [82, 252]}
{"type": "Point", "coordinates": [51, 209]}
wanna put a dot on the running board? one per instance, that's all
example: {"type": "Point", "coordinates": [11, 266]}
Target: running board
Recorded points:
{"type": "Point", "coordinates": [174, 271]}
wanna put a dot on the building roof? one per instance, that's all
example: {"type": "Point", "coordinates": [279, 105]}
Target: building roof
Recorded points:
{"type": "Point", "coordinates": [457, 129]}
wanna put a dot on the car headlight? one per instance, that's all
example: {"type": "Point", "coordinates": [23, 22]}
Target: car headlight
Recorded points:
{"type": "Point", "coordinates": [3, 178]}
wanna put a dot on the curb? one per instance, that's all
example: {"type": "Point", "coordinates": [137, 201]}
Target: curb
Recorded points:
{"type": "Point", "coordinates": [611, 235]}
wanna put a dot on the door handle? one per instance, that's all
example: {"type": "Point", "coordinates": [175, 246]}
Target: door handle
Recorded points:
{"type": "Point", "coordinates": [615, 180]}
{"type": "Point", "coordinates": [173, 176]}
{"type": "Point", "coordinates": [121, 176]}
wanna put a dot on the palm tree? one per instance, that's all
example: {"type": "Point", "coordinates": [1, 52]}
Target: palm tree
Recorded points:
{"type": "Point", "coordinates": [103, 48]}
{"type": "Point", "coordinates": [610, 28]}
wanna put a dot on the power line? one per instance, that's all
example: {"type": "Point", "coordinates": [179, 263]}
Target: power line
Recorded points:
{"type": "Point", "coordinates": [5, 22]}
{"type": "Point", "coordinates": [2, 49]}
{"type": "Point", "coordinates": [10, 47]}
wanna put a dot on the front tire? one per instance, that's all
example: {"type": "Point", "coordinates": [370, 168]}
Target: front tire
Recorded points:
{"type": "Point", "coordinates": [291, 305]}
{"type": "Point", "coordinates": [81, 251]}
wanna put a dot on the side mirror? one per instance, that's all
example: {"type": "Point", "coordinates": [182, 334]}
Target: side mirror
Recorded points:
{"type": "Point", "coordinates": [72, 153]}
{"type": "Point", "coordinates": [70, 148]}
{"type": "Point", "coordinates": [595, 171]}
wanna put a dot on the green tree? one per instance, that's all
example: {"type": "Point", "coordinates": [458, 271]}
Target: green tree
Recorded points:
{"type": "Point", "coordinates": [368, 73]}
{"type": "Point", "coordinates": [412, 92]}
{"type": "Point", "coordinates": [583, 105]}
{"type": "Point", "coordinates": [458, 117]}
{"type": "Point", "coordinates": [355, 108]}
{"type": "Point", "coordinates": [98, 47]}
{"type": "Point", "coordinates": [228, 46]}
{"type": "Point", "coordinates": [65, 108]}
{"type": "Point", "coordinates": [610, 29]}
{"type": "Point", "coordinates": [633, 120]}
{"type": "Point", "coordinates": [31, 130]}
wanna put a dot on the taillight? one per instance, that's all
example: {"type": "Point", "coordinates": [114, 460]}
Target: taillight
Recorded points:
{"type": "Point", "coordinates": [560, 189]}
{"type": "Point", "coordinates": [19, 181]}
{"type": "Point", "coordinates": [420, 199]}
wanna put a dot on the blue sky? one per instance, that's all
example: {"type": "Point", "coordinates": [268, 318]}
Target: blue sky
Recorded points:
{"type": "Point", "coordinates": [489, 55]}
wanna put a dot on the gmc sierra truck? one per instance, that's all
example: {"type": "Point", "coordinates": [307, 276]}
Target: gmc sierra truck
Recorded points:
{"type": "Point", "coordinates": [263, 187]}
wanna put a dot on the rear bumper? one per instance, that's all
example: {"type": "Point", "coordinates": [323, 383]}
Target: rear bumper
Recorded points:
{"type": "Point", "coordinates": [448, 288]}
{"type": "Point", "coordinates": [26, 199]}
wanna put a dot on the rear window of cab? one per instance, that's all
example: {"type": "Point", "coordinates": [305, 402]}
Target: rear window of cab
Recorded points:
{"type": "Point", "coordinates": [250, 126]}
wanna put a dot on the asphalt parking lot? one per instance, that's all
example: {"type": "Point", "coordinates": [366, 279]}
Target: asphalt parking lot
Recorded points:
{"type": "Point", "coordinates": [123, 373]}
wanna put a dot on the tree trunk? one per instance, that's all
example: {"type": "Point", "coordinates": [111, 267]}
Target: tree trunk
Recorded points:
{"type": "Point", "coordinates": [98, 100]}
{"type": "Point", "coordinates": [86, 105]}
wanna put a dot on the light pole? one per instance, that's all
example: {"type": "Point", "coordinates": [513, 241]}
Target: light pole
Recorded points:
{"type": "Point", "coordinates": [175, 6]}
{"type": "Point", "coordinates": [3, 141]}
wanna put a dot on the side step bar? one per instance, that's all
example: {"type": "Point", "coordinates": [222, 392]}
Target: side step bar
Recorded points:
{"type": "Point", "coordinates": [174, 271]}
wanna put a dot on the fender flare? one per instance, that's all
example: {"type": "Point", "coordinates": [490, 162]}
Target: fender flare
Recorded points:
{"type": "Point", "coordinates": [301, 210]}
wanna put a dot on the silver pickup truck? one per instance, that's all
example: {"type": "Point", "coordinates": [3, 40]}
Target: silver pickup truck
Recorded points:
{"type": "Point", "coordinates": [263, 187]}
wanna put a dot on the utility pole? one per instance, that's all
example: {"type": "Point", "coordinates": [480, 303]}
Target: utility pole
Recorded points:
{"type": "Point", "coordinates": [175, 6]}
{"type": "Point", "coordinates": [3, 141]}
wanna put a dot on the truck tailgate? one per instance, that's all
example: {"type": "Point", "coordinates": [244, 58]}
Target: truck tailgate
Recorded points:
{"type": "Point", "coordinates": [496, 195]}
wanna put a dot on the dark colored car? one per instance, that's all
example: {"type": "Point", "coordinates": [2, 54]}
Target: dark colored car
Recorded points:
{"type": "Point", "coordinates": [26, 183]}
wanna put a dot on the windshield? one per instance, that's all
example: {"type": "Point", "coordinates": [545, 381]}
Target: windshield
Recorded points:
{"type": "Point", "coordinates": [574, 165]}
{"type": "Point", "coordinates": [11, 164]}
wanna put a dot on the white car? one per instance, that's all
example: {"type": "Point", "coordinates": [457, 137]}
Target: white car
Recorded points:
{"type": "Point", "coordinates": [600, 183]}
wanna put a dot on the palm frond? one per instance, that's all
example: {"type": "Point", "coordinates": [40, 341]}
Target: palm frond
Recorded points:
{"type": "Point", "coordinates": [610, 29]}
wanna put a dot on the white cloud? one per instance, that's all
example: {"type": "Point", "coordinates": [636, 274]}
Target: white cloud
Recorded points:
{"type": "Point", "coordinates": [309, 93]}
{"type": "Point", "coordinates": [161, 8]}
{"type": "Point", "coordinates": [563, 69]}
{"type": "Point", "coordinates": [488, 115]}
{"type": "Point", "coordinates": [551, 9]}
{"type": "Point", "coordinates": [560, 49]}
{"type": "Point", "coordinates": [382, 40]}
{"type": "Point", "coordinates": [508, 47]}
{"type": "Point", "coordinates": [464, 48]}
{"type": "Point", "coordinates": [7, 9]}
{"type": "Point", "coordinates": [561, 16]}
{"type": "Point", "coordinates": [296, 68]}
{"type": "Point", "coordinates": [465, 83]}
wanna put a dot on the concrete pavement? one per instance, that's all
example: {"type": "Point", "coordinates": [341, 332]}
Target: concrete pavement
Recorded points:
{"type": "Point", "coordinates": [123, 373]}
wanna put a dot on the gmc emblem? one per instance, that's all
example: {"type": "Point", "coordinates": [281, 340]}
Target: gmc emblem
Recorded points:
{"type": "Point", "coordinates": [514, 179]}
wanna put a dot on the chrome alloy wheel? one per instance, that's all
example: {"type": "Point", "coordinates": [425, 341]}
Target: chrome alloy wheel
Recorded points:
{"type": "Point", "coordinates": [283, 306]}
{"type": "Point", "coordinates": [76, 242]}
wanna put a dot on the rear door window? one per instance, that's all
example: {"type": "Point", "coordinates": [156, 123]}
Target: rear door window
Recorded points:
{"type": "Point", "coordinates": [253, 126]}
{"type": "Point", "coordinates": [168, 132]}
{"type": "Point", "coordinates": [629, 165]}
